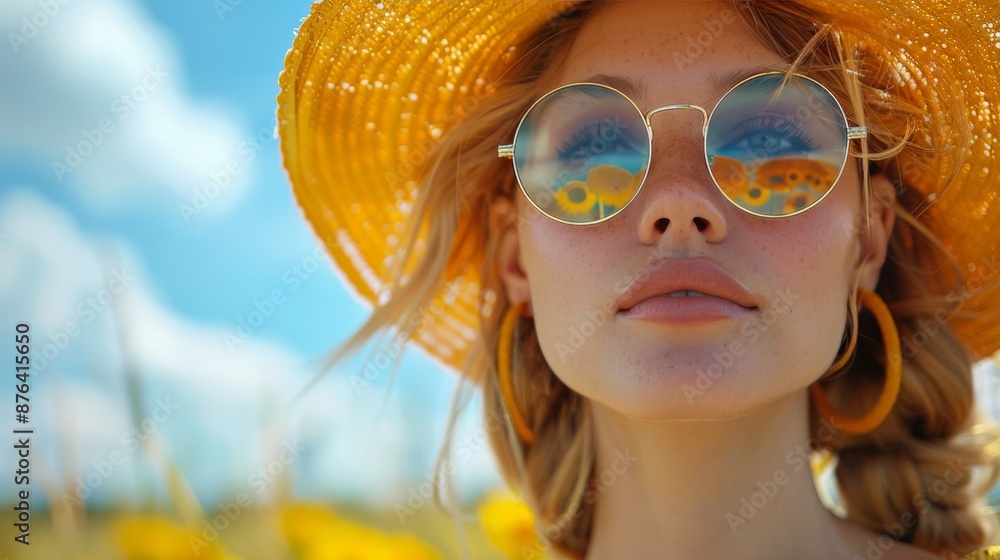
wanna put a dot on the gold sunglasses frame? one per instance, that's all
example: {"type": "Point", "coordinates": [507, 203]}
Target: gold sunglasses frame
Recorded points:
{"type": "Point", "coordinates": [853, 132]}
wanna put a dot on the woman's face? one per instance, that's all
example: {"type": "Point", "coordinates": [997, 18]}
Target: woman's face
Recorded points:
{"type": "Point", "coordinates": [798, 269]}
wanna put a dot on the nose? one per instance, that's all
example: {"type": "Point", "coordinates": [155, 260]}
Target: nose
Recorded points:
{"type": "Point", "coordinates": [679, 198]}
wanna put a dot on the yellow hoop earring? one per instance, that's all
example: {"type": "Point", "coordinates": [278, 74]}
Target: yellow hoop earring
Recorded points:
{"type": "Point", "coordinates": [503, 366]}
{"type": "Point", "coordinates": [893, 374]}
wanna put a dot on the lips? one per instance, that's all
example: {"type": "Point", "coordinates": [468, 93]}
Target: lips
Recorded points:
{"type": "Point", "coordinates": [683, 274]}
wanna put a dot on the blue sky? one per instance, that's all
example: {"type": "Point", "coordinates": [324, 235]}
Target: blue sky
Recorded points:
{"type": "Point", "coordinates": [115, 115]}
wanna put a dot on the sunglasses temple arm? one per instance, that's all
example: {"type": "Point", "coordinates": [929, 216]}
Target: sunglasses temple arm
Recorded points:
{"type": "Point", "coordinates": [506, 151]}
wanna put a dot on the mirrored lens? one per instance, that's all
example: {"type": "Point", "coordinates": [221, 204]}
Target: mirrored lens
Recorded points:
{"type": "Point", "coordinates": [777, 149]}
{"type": "Point", "coordinates": [581, 153]}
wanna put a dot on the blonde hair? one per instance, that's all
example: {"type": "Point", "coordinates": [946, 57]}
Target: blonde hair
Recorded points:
{"type": "Point", "coordinates": [888, 479]}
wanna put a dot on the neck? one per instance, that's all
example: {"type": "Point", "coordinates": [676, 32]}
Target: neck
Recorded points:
{"type": "Point", "coordinates": [734, 488]}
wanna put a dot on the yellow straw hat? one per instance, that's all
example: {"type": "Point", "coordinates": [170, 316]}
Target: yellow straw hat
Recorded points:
{"type": "Point", "coordinates": [369, 86]}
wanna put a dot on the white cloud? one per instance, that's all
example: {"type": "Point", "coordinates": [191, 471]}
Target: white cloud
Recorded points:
{"type": "Point", "coordinates": [219, 430]}
{"type": "Point", "coordinates": [98, 89]}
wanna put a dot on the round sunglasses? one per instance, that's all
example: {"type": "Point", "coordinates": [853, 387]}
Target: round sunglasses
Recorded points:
{"type": "Point", "coordinates": [775, 146]}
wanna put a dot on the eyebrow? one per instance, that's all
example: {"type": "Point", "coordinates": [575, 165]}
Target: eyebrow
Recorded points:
{"type": "Point", "coordinates": [730, 79]}
{"type": "Point", "coordinates": [632, 88]}
{"type": "Point", "coordinates": [636, 89]}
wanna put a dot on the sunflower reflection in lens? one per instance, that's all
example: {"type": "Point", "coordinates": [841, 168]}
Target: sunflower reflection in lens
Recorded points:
{"type": "Point", "coordinates": [755, 195]}
{"type": "Point", "coordinates": [820, 175]}
{"type": "Point", "coordinates": [731, 175]}
{"type": "Point", "coordinates": [576, 198]}
{"type": "Point", "coordinates": [735, 181]}
{"type": "Point", "coordinates": [798, 181]}
{"type": "Point", "coordinates": [799, 200]}
{"type": "Point", "coordinates": [787, 174]}
{"type": "Point", "coordinates": [776, 148]}
{"type": "Point", "coordinates": [612, 185]}
{"type": "Point", "coordinates": [577, 150]}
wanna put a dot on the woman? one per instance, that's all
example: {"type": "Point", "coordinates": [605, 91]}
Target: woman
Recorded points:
{"type": "Point", "coordinates": [720, 241]}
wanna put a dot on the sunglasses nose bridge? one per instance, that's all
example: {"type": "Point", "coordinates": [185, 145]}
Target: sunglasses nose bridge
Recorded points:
{"type": "Point", "coordinates": [685, 106]}
{"type": "Point", "coordinates": [679, 106]}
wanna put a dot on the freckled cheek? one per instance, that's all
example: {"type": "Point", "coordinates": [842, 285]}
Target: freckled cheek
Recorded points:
{"type": "Point", "coordinates": [815, 267]}
{"type": "Point", "coordinates": [561, 271]}
{"type": "Point", "coordinates": [806, 301]}
{"type": "Point", "coordinates": [542, 255]}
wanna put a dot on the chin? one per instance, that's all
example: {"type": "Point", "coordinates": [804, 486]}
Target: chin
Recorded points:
{"type": "Point", "coordinates": [691, 396]}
